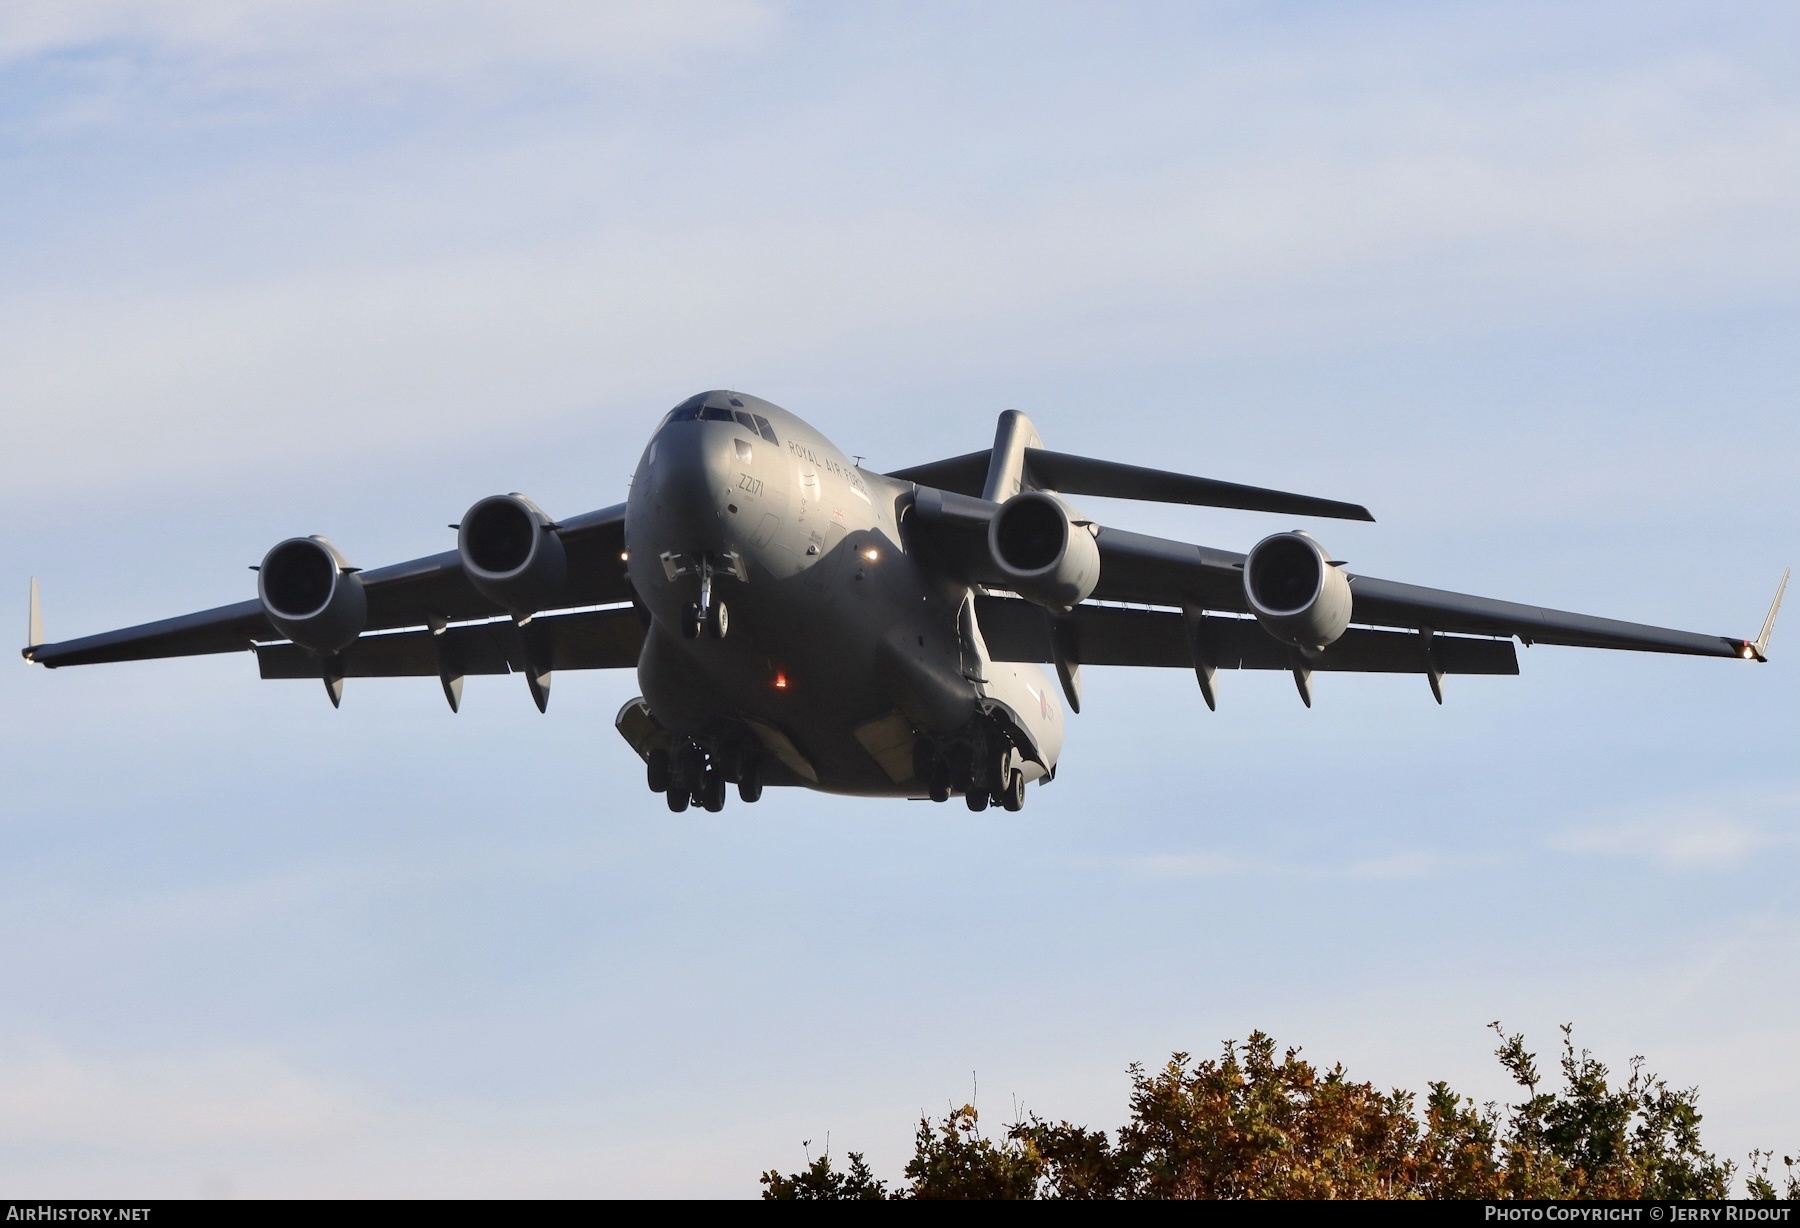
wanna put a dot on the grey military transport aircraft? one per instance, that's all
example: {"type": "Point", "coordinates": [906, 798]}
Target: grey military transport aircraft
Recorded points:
{"type": "Point", "coordinates": [797, 620]}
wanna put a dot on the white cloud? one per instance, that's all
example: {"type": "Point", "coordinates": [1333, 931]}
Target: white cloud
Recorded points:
{"type": "Point", "coordinates": [385, 351]}
{"type": "Point", "coordinates": [1176, 866]}
{"type": "Point", "coordinates": [297, 43]}
{"type": "Point", "coordinates": [1181, 866]}
{"type": "Point", "coordinates": [52, 1097]}
{"type": "Point", "coordinates": [1695, 835]}
{"type": "Point", "coordinates": [1396, 212]}
{"type": "Point", "coordinates": [251, 1124]}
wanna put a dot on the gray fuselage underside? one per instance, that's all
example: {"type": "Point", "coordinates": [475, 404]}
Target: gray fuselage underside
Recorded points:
{"type": "Point", "coordinates": [833, 624]}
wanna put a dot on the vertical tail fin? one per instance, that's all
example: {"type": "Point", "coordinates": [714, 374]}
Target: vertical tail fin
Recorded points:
{"type": "Point", "coordinates": [1006, 474]}
{"type": "Point", "coordinates": [34, 632]}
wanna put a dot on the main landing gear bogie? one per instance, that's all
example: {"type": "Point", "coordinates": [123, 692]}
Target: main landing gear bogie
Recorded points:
{"type": "Point", "coordinates": [687, 775]}
{"type": "Point", "coordinates": [1013, 796]}
{"type": "Point", "coordinates": [981, 769]}
{"type": "Point", "coordinates": [749, 783]}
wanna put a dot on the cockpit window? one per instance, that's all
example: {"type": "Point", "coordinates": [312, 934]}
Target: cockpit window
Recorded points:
{"type": "Point", "coordinates": [764, 429]}
{"type": "Point", "coordinates": [716, 413]}
{"type": "Point", "coordinates": [746, 419]}
{"type": "Point", "coordinates": [684, 412]}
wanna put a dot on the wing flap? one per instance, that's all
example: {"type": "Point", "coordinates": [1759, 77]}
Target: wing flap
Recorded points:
{"type": "Point", "coordinates": [962, 475]}
{"type": "Point", "coordinates": [588, 639]}
{"type": "Point", "coordinates": [595, 639]}
{"type": "Point", "coordinates": [1016, 630]}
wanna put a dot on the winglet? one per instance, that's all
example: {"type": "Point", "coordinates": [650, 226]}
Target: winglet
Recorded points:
{"type": "Point", "coordinates": [34, 630]}
{"type": "Point", "coordinates": [1759, 648]}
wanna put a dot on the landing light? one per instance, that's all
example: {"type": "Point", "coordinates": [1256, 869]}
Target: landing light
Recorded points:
{"type": "Point", "coordinates": [871, 555]}
{"type": "Point", "coordinates": [624, 556]}
{"type": "Point", "coordinates": [1746, 652]}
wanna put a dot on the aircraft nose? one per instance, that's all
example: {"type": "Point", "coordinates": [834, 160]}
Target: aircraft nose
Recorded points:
{"type": "Point", "coordinates": [698, 468]}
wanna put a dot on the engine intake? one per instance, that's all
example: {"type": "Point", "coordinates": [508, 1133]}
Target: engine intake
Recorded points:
{"type": "Point", "coordinates": [512, 555]}
{"type": "Point", "coordinates": [1296, 592]}
{"type": "Point", "coordinates": [1046, 555]}
{"type": "Point", "coordinates": [312, 595]}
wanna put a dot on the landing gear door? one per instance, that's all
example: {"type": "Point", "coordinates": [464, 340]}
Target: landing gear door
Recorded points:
{"type": "Point", "coordinates": [974, 648]}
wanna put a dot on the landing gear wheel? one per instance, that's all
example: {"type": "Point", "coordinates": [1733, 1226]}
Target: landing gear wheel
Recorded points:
{"type": "Point", "coordinates": [711, 793]}
{"type": "Point", "coordinates": [678, 799]}
{"type": "Point", "coordinates": [1013, 798]}
{"type": "Point", "coordinates": [940, 790]}
{"type": "Point", "coordinates": [687, 768]}
{"type": "Point", "coordinates": [690, 621]}
{"type": "Point", "coordinates": [996, 773]}
{"type": "Point", "coordinates": [656, 769]}
{"type": "Point", "coordinates": [718, 620]}
{"type": "Point", "coordinates": [977, 799]}
{"type": "Point", "coordinates": [750, 782]}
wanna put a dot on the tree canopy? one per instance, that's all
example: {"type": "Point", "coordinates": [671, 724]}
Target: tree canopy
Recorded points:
{"type": "Point", "coordinates": [1254, 1124]}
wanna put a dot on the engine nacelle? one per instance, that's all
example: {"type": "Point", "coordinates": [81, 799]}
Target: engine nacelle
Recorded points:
{"type": "Point", "coordinates": [512, 555]}
{"type": "Point", "coordinates": [312, 595]}
{"type": "Point", "coordinates": [1046, 555]}
{"type": "Point", "coordinates": [1296, 592]}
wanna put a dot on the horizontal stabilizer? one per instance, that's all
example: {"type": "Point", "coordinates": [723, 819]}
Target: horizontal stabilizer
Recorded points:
{"type": "Point", "coordinates": [962, 475]}
{"type": "Point", "coordinates": [1083, 475]}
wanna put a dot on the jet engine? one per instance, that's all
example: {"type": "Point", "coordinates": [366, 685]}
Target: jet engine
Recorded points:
{"type": "Point", "coordinates": [512, 555]}
{"type": "Point", "coordinates": [1046, 555]}
{"type": "Point", "coordinates": [1296, 592]}
{"type": "Point", "coordinates": [311, 594]}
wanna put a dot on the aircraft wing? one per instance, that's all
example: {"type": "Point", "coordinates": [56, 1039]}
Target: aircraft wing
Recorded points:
{"type": "Point", "coordinates": [1139, 569]}
{"type": "Point", "coordinates": [411, 594]}
{"type": "Point", "coordinates": [1156, 571]}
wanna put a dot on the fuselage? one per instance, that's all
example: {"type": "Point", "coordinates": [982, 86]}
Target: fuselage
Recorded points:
{"type": "Point", "coordinates": [839, 640]}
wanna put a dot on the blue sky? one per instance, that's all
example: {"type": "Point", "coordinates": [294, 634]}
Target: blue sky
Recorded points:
{"type": "Point", "coordinates": [1522, 279]}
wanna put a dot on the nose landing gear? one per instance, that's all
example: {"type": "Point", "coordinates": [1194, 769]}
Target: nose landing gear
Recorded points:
{"type": "Point", "coordinates": [705, 614]}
